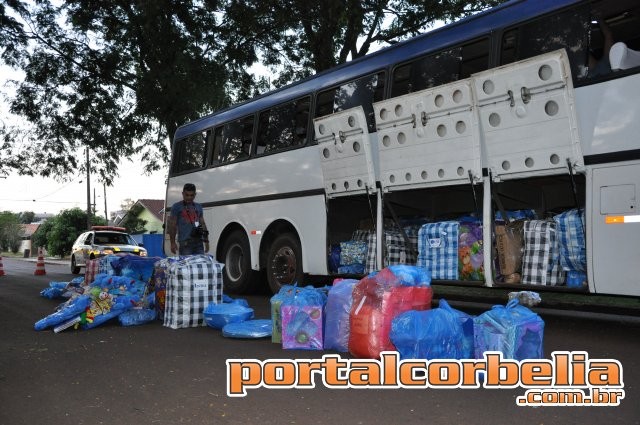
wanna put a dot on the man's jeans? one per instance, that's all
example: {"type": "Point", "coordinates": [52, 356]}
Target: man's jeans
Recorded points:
{"type": "Point", "coordinates": [191, 247]}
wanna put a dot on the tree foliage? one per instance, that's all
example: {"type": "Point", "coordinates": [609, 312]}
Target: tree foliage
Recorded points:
{"type": "Point", "coordinates": [27, 217]}
{"type": "Point", "coordinates": [58, 233]}
{"type": "Point", "coordinates": [120, 76]}
{"type": "Point", "coordinates": [303, 37]}
{"type": "Point", "coordinates": [117, 76]}
{"type": "Point", "coordinates": [132, 222]}
{"type": "Point", "coordinates": [10, 231]}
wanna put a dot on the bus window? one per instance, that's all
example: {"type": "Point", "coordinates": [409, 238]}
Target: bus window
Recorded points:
{"type": "Point", "coordinates": [236, 140]}
{"type": "Point", "coordinates": [509, 47]}
{"type": "Point", "coordinates": [566, 30]}
{"type": "Point", "coordinates": [475, 58]}
{"type": "Point", "coordinates": [217, 147]}
{"type": "Point", "coordinates": [441, 68]}
{"type": "Point", "coordinates": [190, 153]}
{"type": "Point", "coordinates": [361, 92]}
{"type": "Point", "coordinates": [283, 126]}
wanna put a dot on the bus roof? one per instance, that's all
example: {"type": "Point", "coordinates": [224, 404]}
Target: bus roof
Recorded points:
{"type": "Point", "coordinates": [468, 28]}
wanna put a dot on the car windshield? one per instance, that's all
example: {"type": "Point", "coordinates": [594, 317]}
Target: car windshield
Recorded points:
{"type": "Point", "coordinates": [113, 239]}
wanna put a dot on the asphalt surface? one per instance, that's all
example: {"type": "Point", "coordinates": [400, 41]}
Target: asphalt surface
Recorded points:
{"type": "Point", "coordinates": [154, 375]}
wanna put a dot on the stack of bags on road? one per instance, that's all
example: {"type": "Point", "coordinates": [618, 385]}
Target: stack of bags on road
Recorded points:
{"type": "Point", "coordinates": [126, 287]}
{"type": "Point", "coordinates": [390, 310]}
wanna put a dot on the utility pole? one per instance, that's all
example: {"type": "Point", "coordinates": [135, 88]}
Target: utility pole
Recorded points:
{"type": "Point", "coordinates": [88, 191]}
{"type": "Point", "coordinates": [104, 188]}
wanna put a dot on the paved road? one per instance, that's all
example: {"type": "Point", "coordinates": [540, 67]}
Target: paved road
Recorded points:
{"type": "Point", "coordinates": [153, 375]}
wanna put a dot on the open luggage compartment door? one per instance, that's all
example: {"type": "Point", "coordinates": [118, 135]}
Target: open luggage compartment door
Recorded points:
{"type": "Point", "coordinates": [428, 138]}
{"type": "Point", "coordinates": [345, 153]}
{"type": "Point", "coordinates": [527, 117]}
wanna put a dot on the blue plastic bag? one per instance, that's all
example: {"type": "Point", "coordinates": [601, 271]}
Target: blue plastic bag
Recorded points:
{"type": "Point", "coordinates": [259, 328]}
{"type": "Point", "coordinates": [337, 311]}
{"type": "Point", "coordinates": [73, 308]}
{"type": "Point", "coordinates": [440, 333]}
{"type": "Point", "coordinates": [219, 315]}
{"type": "Point", "coordinates": [137, 316]}
{"type": "Point", "coordinates": [135, 267]}
{"type": "Point", "coordinates": [514, 330]}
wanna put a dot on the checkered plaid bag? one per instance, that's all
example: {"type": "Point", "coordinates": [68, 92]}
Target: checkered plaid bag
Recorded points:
{"type": "Point", "coordinates": [541, 262]}
{"type": "Point", "coordinates": [193, 283]}
{"type": "Point", "coordinates": [361, 235]}
{"type": "Point", "coordinates": [395, 249]}
{"type": "Point", "coordinates": [438, 249]}
{"type": "Point", "coordinates": [571, 241]}
{"type": "Point", "coordinates": [90, 271]}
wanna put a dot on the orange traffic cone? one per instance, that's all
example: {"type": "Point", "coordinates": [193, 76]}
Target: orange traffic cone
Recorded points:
{"type": "Point", "coordinates": [40, 264]}
{"type": "Point", "coordinates": [1, 267]}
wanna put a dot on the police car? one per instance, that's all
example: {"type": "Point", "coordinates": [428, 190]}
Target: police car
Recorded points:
{"type": "Point", "coordinates": [100, 241]}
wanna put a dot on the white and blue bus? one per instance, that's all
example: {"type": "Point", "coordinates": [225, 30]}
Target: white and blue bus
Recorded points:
{"type": "Point", "coordinates": [530, 101]}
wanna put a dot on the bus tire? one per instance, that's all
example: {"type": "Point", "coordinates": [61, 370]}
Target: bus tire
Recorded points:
{"type": "Point", "coordinates": [284, 262]}
{"type": "Point", "coordinates": [237, 274]}
{"type": "Point", "coordinates": [74, 268]}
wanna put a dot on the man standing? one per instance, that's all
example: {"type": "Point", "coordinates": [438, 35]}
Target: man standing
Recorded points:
{"type": "Point", "coordinates": [186, 218]}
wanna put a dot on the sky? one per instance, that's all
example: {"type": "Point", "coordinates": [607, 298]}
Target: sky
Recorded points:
{"type": "Point", "coordinates": [48, 195]}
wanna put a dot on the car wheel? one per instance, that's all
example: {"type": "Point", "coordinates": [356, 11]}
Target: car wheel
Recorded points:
{"type": "Point", "coordinates": [74, 268]}
{"type": "Point", "coordinates": [284, 262]}
{"type": "Point", "coordinates": [238, 276]}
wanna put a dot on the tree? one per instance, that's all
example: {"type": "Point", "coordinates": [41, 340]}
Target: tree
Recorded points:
{"type": "Point", "coordinates": [303, 37]}
{"type": "Point", "coordinates": [58, 233]}
{"type": "Point", "coordinates": [39, 238]}
{"type": "Point", "coordinates": [132, 222]}
{"type": "Point", "coordinates": [116, 76]}
{"type": "Point", "coordinates": [10, 231]}
{"type": "Point", "coordinates": [27, 217]}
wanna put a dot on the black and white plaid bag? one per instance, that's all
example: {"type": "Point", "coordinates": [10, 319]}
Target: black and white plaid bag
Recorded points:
{"type": "Point", "coordinates": [396, 250]}
{"type": "Point", "coordinates": [193, 283]}
{"type": "Point", "coordinates": [541, 260]}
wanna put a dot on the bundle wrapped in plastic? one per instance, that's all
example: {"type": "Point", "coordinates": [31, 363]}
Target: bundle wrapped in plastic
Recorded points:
{"type": "Point", "coordinates": [219, 315]}
{"type": "Point", "coordinates": [380, 297]}
{"type": "Point", "coordinates": [55, 290]}
{"type": "Point", "coordinates": [441, 333]}
{"type": "Point", "coordinates": [514, 330]}
{"type": "Point", "coordinates": [302, 317]}
{"type": "Point", "coordinates": [336, 326]}
{"type": "Point", "coordinates": [70, 309]}
{"type": "Point", "coordinates": [135, 267]}
{"type": "Point", "coordinates": [257, 328]}
{"type": "Point", "coordinates": [286, 292]}
{"type": "Point", "coordinates": [137, 316]}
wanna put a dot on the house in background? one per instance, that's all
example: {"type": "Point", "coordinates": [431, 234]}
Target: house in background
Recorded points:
{"type": "Point", "coordinates": [25, 244]}
{"type": "Point", "coordinates": [151, 211]}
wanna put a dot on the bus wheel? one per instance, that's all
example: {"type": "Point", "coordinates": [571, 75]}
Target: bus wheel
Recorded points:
{"type": "Point", "coordinates": [284, 262]}
{"type": "Point", "coordinates": [237, 273]}
{"type": "Point", "coordinates": [74, 268]}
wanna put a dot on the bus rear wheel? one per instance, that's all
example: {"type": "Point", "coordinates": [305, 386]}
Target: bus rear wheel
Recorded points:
{"type": "Point", "coordinates": [238, 276]}
{"type": "Point", "coordinates": [284, 262]}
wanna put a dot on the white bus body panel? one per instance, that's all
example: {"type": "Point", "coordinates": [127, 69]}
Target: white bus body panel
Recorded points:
{"type": "Point", "coordinates": [305, 214]}
{"type": "Point", "coordinates": [294, 171]}
{"type": "Point", "coordinates": [609, 115]}
{"type": "Point", "coordinates": [613, 248]}
{"type": "Point", "coordinates": [428, 138]}
{"type": "Point", "coordinates": [345, 153]}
